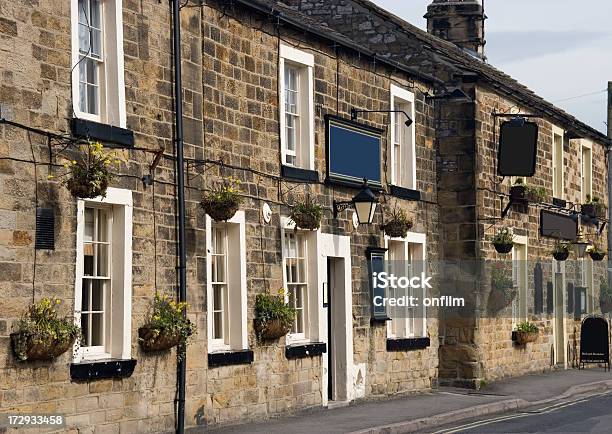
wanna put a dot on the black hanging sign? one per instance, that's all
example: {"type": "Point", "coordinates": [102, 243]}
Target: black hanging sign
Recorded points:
{"type": "Point", "coordinates": [560, 226]}
{"type": "Point", "coordinates": [594, 342]}
{"type": "Point", "coordinates": [353, 152]}
{"type": "Point", "coordinates": [518, 148]}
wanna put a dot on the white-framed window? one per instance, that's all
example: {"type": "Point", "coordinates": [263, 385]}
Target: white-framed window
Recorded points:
{"type": "Point", "coordinates": [403, 152]}
{"type": "Point", "coordinates": [300, 278]}
{"type": "Point", "coordinates": [103, 285]}
{"type": "Point", "coordinates": [586, 170]}
{"type": "Point", "coordinates": [520, 279]}
{"type": "Point", "coordinates": [558, 158]}
{"type": "Point", "coordinates": [296, 105]}
{"type": "Point", "coordinates": [226, 284]}
{"type": "Point", "coordinates": [407, 257]}
{"type": "Point", "coordinates": [98, 89]}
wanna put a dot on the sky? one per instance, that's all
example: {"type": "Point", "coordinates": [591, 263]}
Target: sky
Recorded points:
{"type": "Point", "coordinates": [560, 49]}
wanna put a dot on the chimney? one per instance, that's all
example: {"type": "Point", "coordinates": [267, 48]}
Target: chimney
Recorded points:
{"type": "Point", "coordinates": [460, 22]}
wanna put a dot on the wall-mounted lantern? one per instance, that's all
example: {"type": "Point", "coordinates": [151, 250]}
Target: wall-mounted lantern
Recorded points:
{"type": "Point", "coordinates": [364, 202]}
{"type": "Point", "coordinates": [580, 245]}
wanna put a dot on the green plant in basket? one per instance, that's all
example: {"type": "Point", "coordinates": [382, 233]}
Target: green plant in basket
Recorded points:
{"type": "Point", "coordinates": [223, 201]}
{"type": "Point", "coordinates": [273, 315]}
{"type": "Point", "coordinates": [306, 214]}
{"type": "Point", "coordinates": [42, 334]}
{"type": "Point", "coordinates": [167, 326]}
{"type": "Point", "coordinates": [89, 174]}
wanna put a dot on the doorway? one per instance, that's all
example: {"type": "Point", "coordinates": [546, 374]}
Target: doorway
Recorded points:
{"type": "Point", "coordinates": [559, 328]}
{"type": "Point", "coordinates": [336, 326]}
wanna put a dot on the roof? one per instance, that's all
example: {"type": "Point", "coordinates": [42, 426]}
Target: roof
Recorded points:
{"type": "Point", "coordinates": [427, 57]}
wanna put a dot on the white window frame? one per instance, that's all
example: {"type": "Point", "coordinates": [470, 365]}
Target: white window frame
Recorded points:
{"type": "Point", "coordinates": [403, 96]}
{"type": "Point", "coordinates": [119, 318]}
{"type": "Point", "coordinates": [236, 335]}
{"type": "Point", "coordinates": [305, 64]}
{"type": "Point", "coordinates": [417, 325]}
{"type": "Point", "coordinates": [520, 277]}
{"type": "Point", "coordinates": [311, 305]}
{"type": "Point", "coordinates": [588, 188]}
{"type": "Point", "coordinates": [112, 82]}
{"type": "Point", "coordinates": [558, 191]}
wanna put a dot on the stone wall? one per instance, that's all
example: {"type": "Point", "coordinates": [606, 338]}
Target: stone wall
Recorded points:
{"type": "Point", "coordinates": [230, 59]}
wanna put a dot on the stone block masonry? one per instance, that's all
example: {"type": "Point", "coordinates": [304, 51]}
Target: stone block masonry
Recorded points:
{"type": "Point", "coordinates": [230, 64]}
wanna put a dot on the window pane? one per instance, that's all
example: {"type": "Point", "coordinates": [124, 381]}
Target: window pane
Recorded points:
{"type": "Point", "coordinates": [218, 325]}
{"type": "Point", "coordinates": [89, 225]}
{"type": "Point", "coordinates": [102, 262]}
{"type": "Point", "coordinates": [97, 295]}
{"type": "Point", "coordinates": [88, 259]}
{"type": "Point", "coordinates": [218, 297]}
{"type": "Point", "coordinates": [92, 100]}
{"type": "Point", "coordinates": [85, 328]}
{"type": "Point", "coordinates": [97, 329]}
{"type": "Point", "coordinates": [85, 295]}
{"type": "Point", "coordinates": [83, 11]}
{"type": "Point", "coordinates": [83, 39]}
{"type": "Point", "coordinates": [102, 225]}
{"type": "Point", "coordinates": [96, 14]}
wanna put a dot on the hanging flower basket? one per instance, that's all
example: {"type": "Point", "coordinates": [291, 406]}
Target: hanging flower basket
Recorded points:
{"type": "Point", "coordinates": [525, 332]}
{"type": "Point", "coordinates": [502, 290]}
{"type": "Point", "coordinates": [518, 193]}
{"type": "Point", "coordinates": [42, 334]}
{"type": "Point", "coordinates": [306, 215]}
{"type": "Point", "coordinates": [273, 316]}
{"type": "Point", "coordinates": [222, 203]}
{"type": "Point", "coordinates": [503, 240]}
{"type": "Point", "coordinates": [597, 256]}
{"type": "Point", "coordinates": [40, 347]}
{"type": "Point", "coordinates": [561, 251]}
{"type": "Point", "coordinates": [88, 176]}
{"type": "Point", "coordinates": [593, 208]}
{"type": "Point", "coordinates": [152, 339]}
{"type": "Point", "coordinates": [398, 224]}
{"type": "Point", "coordinates": [272, 329]}
{"type": "Point", "coordinates": [166, 327]}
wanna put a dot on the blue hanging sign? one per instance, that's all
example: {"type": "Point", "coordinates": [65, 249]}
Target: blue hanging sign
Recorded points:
{"type": "Point", "coordinates": [353, 152]}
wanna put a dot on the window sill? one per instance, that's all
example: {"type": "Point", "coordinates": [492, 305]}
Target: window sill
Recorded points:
{"type": "Point", "coordinates": [96, 370]}
{"type": "Point", "coordinates": [305, 350]}
{"type": "Point", "coordinates": [299, 174]}
{"type": "Point", "coordinates": [404, 193]}
{"type": "Point", "coordinates": [227, 358]}
{"type": "Point", "coordinates": [408, 344]}
{"type": "Point", "coordinates": [108, 134]}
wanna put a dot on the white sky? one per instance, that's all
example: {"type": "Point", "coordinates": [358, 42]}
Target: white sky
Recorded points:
{"type": "Point", "coordinates": [558, 48]}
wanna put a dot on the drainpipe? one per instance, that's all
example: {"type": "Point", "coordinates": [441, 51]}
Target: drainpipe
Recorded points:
{"type": "Point", "coordinates": [182, 256]}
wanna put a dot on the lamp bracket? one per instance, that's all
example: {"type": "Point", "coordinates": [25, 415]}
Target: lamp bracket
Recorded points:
{"type": "Point", "coordinates": [340, 206]}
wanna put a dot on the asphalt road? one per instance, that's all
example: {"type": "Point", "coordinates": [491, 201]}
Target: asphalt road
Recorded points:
{"type": "Point", "coordinates": [587, 415]}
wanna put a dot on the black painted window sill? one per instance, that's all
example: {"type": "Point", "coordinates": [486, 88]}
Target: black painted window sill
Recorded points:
{"type": "Point", "coordinates": [408, 344]}
{"type": "Point", "coordinates": [404, 193]}
{"type": "Point", "coordinates": [108, 134]}
{"type": "Point", "coordinates": [305, 350]}
{"type": "Point", "coordinates": [228, 358]}
{"type": "Point", "coordinates": [96, 370]}
{"type": "Point", "coordinates": [299, 174]}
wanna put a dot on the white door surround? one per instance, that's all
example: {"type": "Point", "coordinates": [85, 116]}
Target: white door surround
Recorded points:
{"type": "Point", "coordinates": [337, 246]}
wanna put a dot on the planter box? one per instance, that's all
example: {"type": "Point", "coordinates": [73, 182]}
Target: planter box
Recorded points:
{"type": "Point", "coordinates": [518, 194]}
{"type": "Point", "coordinates": [522, 338]}
{"type": "Point", "coordinates": [25, 347]}
{"type": "Point", "coordinates": [150, 340]}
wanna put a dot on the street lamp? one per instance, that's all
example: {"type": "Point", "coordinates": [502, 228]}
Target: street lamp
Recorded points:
{"type": "Point", "coordinates": [580, 245]}
{"type": "Point", "coordinates": [364, 203]}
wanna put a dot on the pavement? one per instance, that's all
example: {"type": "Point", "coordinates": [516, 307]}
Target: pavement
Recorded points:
{"type": "Point", "coordinates": [424, 412]}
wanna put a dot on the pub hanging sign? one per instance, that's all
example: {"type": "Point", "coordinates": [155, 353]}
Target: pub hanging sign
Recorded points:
{"type": "Point", "coordinates": [353, 152]}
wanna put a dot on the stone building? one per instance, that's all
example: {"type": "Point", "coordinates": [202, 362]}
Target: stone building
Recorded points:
{"type": "Point", "coordinates": [571, 165]}
{"type": "Point", "coordinates": [259, 84]}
